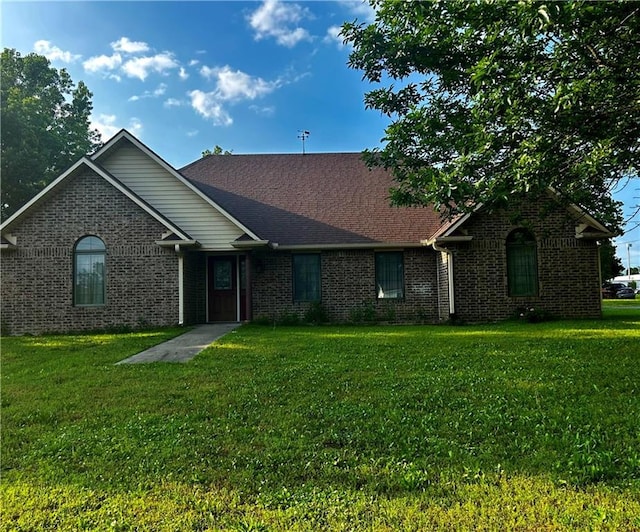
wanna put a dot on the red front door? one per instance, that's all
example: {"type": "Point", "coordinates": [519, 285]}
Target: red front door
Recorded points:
{"type": "Point", "coordinates": [224, 290]}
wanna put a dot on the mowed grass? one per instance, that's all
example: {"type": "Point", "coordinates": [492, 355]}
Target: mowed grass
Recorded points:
{"type": "Point", "coordinates": [497, 427]}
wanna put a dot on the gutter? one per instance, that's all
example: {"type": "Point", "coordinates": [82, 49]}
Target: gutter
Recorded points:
{"type": "Point", "coordinates": [436, 244]}
{"type": "Point", "coordinates": [180, 286]}
{"type": "Point", "coordinates": [368, 245]}
{"type": "Point", "coordinates": [448, 240]}
{"type": "Point", "coordinates": [177, 244]}
{"type": "Point", "coordinates": [452, 301]}
{"type": "Point", "coordinates": [249, 244]}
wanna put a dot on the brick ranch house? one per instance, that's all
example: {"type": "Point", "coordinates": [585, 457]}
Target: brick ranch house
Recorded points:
{"type": "Point", "coordinates": [122, 239]}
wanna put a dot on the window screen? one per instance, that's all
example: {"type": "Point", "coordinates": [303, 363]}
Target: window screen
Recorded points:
{"type": "Point", "coordinates": [306, 277]}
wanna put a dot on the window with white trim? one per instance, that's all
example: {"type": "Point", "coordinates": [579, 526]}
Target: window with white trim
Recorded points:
{"type": "Point", "coordinates": [89, 258]}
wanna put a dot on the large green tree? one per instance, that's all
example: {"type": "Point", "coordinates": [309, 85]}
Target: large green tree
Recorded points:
{"type": "Point", "coordinates": [610, 265]}
{"type": "Point", "coordinates": [45, 126]}
{"type": "Point", "coordinates": [491, 101]}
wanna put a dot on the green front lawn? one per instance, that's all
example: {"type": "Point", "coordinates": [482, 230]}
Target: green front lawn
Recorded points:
{"type": "Point", "coordinates": [507, 426]}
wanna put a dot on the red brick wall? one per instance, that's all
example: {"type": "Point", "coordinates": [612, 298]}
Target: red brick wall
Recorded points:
{"type": "Point", "coordinates": [195, 287]}
{"type": "Point", "coordinates": [37, 278]}
{"type": "Point", "coordinates": [568, 268]}
{"type": "Point", "coordinates": [348, 286]}
{"type": "Point", "coordinates": [568, 275]}
{"type": "Point", "coordinates": [142, 278]}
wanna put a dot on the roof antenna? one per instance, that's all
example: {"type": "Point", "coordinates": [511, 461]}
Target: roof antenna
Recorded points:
{"type": "Point", "coordinates": [303, 134]}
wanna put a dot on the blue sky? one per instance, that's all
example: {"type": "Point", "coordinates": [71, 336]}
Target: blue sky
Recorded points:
{"type": "Point", "coordinates": [248, 76]}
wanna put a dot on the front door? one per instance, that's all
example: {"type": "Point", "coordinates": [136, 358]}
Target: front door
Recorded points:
{"type": "Point", "coordinates": [223, 286]}
{"type": "Point", "coordinates": [225, 293]}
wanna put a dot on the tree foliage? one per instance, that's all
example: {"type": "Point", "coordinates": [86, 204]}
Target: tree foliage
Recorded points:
{"type": "Point", "coordinates": [45, 126]}
{"type": "Point", "coordinates": [610, 265]}
{"type": "Point", "coordinates": [217, 150]}
{"type": "Point", "coordinates": [496, 100]}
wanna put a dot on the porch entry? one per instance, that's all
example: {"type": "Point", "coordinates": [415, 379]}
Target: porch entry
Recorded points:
{"type": "Point", "coordinates": [227, 292]}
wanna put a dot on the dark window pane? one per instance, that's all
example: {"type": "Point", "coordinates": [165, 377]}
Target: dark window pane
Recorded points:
{"type": "Point", "coordinates": [89, 272]}
{"type": "Point", "coordinates": [306, 277]}
{"type": "Point", "coordinates": [522, 264]}
{"type": "Point", "coordinates": [222, 275]}
{"type": "Point", "coordinates": [390, 275]}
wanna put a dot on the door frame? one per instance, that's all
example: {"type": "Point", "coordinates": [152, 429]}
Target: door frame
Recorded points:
{"type": "Point", "coordinates": [242, 300]}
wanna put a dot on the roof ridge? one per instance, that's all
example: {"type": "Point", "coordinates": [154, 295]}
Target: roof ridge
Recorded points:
{"type": "Point", "coordinates": [270, 155]}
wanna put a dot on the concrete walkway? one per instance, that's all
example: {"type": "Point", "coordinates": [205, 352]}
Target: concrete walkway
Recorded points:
{"type": "Point", "coordinates": [184, 347]}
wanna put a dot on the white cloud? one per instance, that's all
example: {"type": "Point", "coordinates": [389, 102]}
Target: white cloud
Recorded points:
{"type": "Point", "coordinates": [105, 124]}
{"type": "Point", "coordinates": [238, 85]}
{"type": "Point", "coordinates": [361, 9]}
{"type": "Point", "coordinates": [102, 63]}
{"type": "Point", "coordinates": [263, 111]}
{"type": "Point", "coordinates": [135, 127]}
{"type": "Point", "coordinates": [183, 74]}
{"type": "Point", "coordinates": [280, 20]}
{"type": "Point", "coordinates": [208, 72]}
{"type": "Point", "coordinates": [140, 67]}
{"type": "Point", "coordinates": [172, 102]}
{"type": "Point", "coordinates": [53, 53]}
{"type": "Point", "coordinates": [208, 105]}
{"type": "Point", "coordinates": [123, 44]}
{"type": "Point", "coordinates": [192, 133]}
{"type": "Point", "coordinates": [108, 127]}
{"type": "Point", "coordinates": [333, 36]}
{"type": "Point", "coordinates": [193, 62]}
{"type": "Point", "coordinates": [159, 91]}
{"type": "Point", "coordinates": [233, 86]}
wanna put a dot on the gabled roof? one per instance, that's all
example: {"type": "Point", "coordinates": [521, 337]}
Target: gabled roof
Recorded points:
{"type": "Point", "coordinates": [123, 136]}
{"type": "Point", "coordinates": [83, 165]}
{"type": "Point", "coordinates": [323, 199]}
{"type": "Point", "coordinates": [587, 227]}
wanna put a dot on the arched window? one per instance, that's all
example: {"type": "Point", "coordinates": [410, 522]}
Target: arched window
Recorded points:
{"type": "Point", "coordinates": [89, 271]}
{"type": "Point", "coordinates": [522, 263]}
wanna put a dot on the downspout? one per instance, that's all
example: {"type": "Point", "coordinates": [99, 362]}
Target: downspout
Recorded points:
{"type": "Point", "coordinates": [599, 275]}
{"type": "Point", "coordinates": [247, 268]}
{"type": "Point", "coordinates": [180, 284]}
{"type": "Point", "coordinates": [237, 288]}
{"type": "Point", "coordinates": [438, 289]}
{"type": "Point", "coordinates": [452, 303]}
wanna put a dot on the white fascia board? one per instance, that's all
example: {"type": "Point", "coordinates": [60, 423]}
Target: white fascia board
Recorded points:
{"type": "Point", "coordinates": [447, 240]}
{"type": "Point", "coordinates": [248, 244]}
{"type": "Point", "coordinates": [138, 201]}
{"type": "Point", "coordinates": [107, 177]}
{"type": "Point", "coordinates": [173, 243]}
{"type": "Point", "coordinates": [329, 247]}
{"type": "Point", "coordinates": [458, 223]}
{"type": "Point", "coordinates": [159, 160]}
{"type": "Point", "coordinates": [583, 215]}
{"type": "Point", "coordinates": [453, 228]}
{"type": "Point", "coordinates": [587, 219]}
{"type": "Point", "coordinates": [109, 144]}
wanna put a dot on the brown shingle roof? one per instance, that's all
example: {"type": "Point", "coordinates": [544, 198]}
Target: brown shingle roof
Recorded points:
{"type": "Point", "coordinates": [324, 198]}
